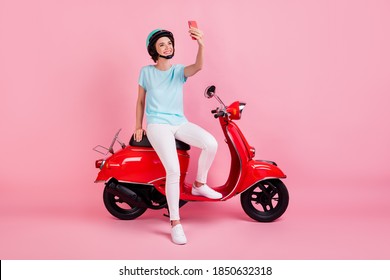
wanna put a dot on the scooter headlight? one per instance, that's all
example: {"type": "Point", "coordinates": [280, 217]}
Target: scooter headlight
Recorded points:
{"type": "Point", "coordinates": [235, 110]}
{"type": "Point", "coordinates": [241, 106]}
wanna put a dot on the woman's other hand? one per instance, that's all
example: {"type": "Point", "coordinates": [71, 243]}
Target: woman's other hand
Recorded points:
{"type": "Point", "coordinates": [138, 134]}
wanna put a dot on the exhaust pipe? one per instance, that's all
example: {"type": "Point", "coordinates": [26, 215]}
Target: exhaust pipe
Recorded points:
{"type": "Point", "coordinates": [126, 195]}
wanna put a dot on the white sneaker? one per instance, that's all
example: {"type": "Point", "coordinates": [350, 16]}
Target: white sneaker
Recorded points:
{"type": "Point", "coordinates": [206, 191]}
{"type": "Point", "coordinates": [177, 234]}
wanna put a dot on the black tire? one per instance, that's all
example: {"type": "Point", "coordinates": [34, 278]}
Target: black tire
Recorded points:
{"type": "Point", "coordinates": [265, 201]}
{"type": "Point", "coordinates": [120, 209]}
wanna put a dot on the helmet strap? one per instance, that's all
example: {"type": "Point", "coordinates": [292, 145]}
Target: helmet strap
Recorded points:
{"type": "Point", "coordinates": [167, 56]}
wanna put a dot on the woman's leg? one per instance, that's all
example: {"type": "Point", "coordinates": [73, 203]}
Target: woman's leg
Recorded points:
{"type": "Point", "coordinates": [194, 135]}
{"type": "Point", "coordinates": [161, 136]}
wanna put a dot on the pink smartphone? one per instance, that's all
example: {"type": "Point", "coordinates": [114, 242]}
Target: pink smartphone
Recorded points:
{"type": "Point", "coordinates": [192, 23]}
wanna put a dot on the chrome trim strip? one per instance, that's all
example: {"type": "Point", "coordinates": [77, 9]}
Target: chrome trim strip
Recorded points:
{"type": "Point", "coordinates": [134, 183]}
{"type": "Point", "coordinates": [142, 150]}
{"type": "Point", "coordinates": [266, 178]}
{"type": "Point", "coordinates": [102, 165]}
{"type": "Point", "coordinates": [131, 159]}
{"type": "Point", "coordinates": [105, 181]}
{"type": "Point", "coordinates": [156, 179]}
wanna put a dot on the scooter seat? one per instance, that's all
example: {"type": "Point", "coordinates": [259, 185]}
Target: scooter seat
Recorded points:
{"type": "Point", "coordinates": [145, 143]}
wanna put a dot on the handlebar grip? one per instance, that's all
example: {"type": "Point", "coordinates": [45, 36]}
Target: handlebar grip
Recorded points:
{"type": "Point", "coordinates": [213, 111]}
{"type": "Point", "coordinates": [219, 114]}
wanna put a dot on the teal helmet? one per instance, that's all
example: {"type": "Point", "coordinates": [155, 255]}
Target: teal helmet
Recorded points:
{"type": "Point", "coordinates": [152, 39]}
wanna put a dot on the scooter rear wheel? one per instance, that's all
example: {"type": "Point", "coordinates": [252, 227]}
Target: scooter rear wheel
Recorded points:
{"type": "Point", "coordinates": [265, 201]}
{"type": "Point", "coordinates": [120, 209]}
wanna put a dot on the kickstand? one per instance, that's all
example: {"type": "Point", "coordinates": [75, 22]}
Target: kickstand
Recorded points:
{"type": "Point", "coordinates": [166, 215]}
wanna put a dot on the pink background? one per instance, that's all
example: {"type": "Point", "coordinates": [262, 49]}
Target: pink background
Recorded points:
{"type": "Point", "coordinates": [315, 76]}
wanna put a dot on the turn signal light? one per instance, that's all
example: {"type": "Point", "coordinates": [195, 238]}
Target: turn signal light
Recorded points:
{"type": "Point", "coordinates": [99, 163]}
{"type": "Point", "coordinates": [252, 152]}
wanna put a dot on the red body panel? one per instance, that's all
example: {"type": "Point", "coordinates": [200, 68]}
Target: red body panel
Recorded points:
{"type": "Point", "coordinates": [141, 165]}
{"type": "Point", "coordinates": [244, 171]}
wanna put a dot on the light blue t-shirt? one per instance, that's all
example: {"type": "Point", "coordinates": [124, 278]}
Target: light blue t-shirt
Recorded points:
{"type": "Point", "coordinates": [164, 94]}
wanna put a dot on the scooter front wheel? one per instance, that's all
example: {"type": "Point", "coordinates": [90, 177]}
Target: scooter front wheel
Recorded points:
{"type": "Point", "coordinates": [120, 209]}
{"type": "Point", "coordinates": [265, 201]}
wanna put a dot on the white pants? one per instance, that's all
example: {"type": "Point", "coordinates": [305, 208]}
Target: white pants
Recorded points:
{"type": "Point", "coordinates": [162, 137]}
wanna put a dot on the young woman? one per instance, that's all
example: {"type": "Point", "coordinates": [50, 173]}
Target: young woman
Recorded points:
{"type": "Point", "coordinates": [160, 97]}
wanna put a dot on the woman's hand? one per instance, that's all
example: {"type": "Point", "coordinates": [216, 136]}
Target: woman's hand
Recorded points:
{"type": "Point", "coordinates": [138, 134]}
{"type": "Point", "coordinates": [197, 34]}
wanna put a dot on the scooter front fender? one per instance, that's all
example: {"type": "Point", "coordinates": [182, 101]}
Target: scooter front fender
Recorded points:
{"type": "Point", "coordinates": [265, 169]}
{"type": "Point", "coordinates": [257, 170]}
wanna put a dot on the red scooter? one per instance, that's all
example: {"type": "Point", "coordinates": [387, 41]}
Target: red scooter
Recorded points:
{"type": "Point", "coordinates": [135, 177]}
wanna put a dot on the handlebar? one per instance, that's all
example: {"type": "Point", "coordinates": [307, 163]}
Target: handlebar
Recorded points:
{"type": "Point", "coordinates": [217, 113]}
{"type": "Point", "coordinates": [210, 92]}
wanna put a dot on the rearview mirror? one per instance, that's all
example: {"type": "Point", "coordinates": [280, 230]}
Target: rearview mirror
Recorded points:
{"type": "Point", "coordinates": [209, 92]}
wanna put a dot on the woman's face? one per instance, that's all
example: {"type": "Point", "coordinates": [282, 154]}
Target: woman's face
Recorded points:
{"type": "Point", "coordinates": [164, 46]}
